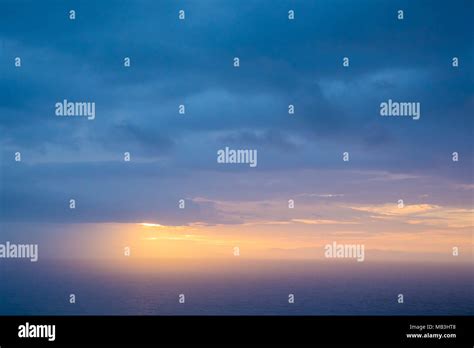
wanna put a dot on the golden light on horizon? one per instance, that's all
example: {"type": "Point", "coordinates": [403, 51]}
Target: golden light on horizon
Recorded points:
{"type": "Point", "coordinates": [147, 224]}
{"type": "Point", "coordinates": [418, 231]}
{"type": "Point", "coordinates": [431, 239]}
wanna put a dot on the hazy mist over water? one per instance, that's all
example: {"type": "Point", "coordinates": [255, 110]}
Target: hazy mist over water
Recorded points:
{"type": "Point", "coordinates": [240, 287]}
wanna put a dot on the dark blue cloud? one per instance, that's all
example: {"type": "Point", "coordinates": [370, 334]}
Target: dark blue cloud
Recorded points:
{"type": "Point", "coordinates": [173, 62]}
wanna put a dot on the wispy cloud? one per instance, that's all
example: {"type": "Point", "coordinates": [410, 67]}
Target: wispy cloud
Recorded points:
{"type": "Point", "coordinates": [422, 215]}
{"type": "Point", "coordinates": [324, 222]}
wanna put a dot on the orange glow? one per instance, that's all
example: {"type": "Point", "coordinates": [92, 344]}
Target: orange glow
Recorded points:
{"type": "Point", "coordinates": [422, 232]}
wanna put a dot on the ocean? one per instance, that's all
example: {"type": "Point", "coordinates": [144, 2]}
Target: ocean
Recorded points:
{"type": "Point", "coordinates": [240, 287]}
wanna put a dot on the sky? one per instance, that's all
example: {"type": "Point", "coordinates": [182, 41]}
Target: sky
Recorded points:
{"type": "Point", "coordinates": [173, 156]}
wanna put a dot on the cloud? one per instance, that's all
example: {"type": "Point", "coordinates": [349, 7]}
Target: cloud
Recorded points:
{"type": "Point", "coordinates": [393, 210]}
{"type": "Point", "coordinates": [319, 195]}
{"type": "Point", "coordinates": [173, 156]}
{"type": "Point", "coordinates": [430, 215]}
{"type": "Point", "coordinates": [324, 222]}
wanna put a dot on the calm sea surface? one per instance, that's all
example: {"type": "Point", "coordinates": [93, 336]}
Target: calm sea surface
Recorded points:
{"type": "Point", "coordinates": [235, 288]}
